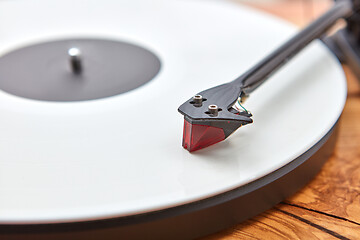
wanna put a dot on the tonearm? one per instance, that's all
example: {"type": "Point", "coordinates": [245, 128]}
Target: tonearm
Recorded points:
{"type": "Point", "coordinates": [214, 114]}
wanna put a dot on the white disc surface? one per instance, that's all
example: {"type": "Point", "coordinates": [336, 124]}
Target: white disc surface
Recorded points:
{"type": "Point", "coordinates": [118, 156]}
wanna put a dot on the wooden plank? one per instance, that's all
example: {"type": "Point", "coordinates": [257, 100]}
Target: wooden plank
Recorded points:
{"type": "Point", "coordinates": [272, 224]}
{"type": "Point", "coordinates": [289, 222]}
{"type": "Point", "coordinates": [352, 82]}
{"type": "Point", "coordinates": [299, 12]}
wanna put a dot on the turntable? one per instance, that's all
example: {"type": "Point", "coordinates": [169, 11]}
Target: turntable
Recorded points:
{"type": "Point", "coordinates": [91, 137]}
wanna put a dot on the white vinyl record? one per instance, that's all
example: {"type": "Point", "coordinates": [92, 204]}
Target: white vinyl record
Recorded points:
{"type": "Point", "coordinates": [122, 155]}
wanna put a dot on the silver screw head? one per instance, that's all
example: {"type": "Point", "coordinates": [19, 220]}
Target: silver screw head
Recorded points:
{"type": "Point", "coordinates": [198, 99]}
{"type": "Point", "coordinates": [213, 109]}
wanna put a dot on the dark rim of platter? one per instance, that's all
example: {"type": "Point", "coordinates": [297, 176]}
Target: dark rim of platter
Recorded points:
{"type": "Point", "coordinates": [269, 190]}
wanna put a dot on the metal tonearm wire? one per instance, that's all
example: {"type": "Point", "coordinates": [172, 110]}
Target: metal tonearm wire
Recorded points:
{"type": "Point", "coordinates": [210, 116]}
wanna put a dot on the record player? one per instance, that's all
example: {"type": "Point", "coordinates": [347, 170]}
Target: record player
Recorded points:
{"type": "Point", "coordinates": [91, 136]}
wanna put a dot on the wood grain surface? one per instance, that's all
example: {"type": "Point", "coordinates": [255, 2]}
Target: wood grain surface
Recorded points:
{"type": "Point", "coordinates": [329, 206]}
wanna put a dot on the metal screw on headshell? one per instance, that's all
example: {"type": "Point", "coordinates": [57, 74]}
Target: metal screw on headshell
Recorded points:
{"type": "Point", "coordinates": [197, 100]}
{"type": "Point", "coordinates": [213, 110]}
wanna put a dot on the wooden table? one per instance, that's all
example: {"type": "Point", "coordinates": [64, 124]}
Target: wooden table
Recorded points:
{"type": "Point", "coordinates": [329, 206]}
